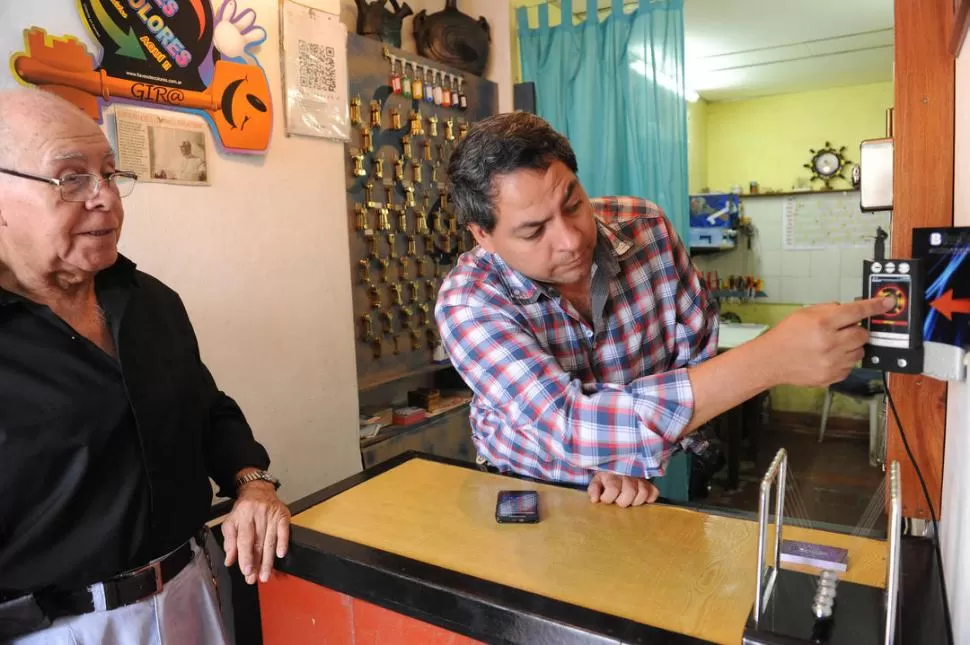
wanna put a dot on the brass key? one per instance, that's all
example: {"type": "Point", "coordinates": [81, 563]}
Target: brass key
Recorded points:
{"type": "Point", "coordinates": [375, 297]}
{"type": "Point", "coordinates": [375, 114]}
{"type": "Point", "coordinates": [416, 129]}
{"type": "Point", "coordinates": [385, 269]}
{"type": "Point", "coordinates": [358, 160]}
{"type": "Point", "coordinates": [450, 129]}
{"type": "Point", "coordinates": [379, 166]}
{"type": "Point", "coordinates": [355, 111]}
{"type": "Point", "coordinates": [385, 220]}
{"type": "Point", "coordinates": [368, 137]}
{"type": "Point", "coordinates": [395, 118]}
{"type": "Point", "coordinates": [368, 325]}
{"type": "Point", "coordinates": [433, 122]}
{"type": "Point", "coordinates": [365, 270]}
{"type": "Point", "coordinates": [388, 323]}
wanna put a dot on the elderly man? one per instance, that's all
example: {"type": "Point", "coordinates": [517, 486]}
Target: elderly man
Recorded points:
{"type": "Point", "coordinates": [584, 331]}
{"type": "Point", "coordinates": [110, 424]}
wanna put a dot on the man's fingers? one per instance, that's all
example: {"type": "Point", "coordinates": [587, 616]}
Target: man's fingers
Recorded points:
{"type": "Point", "coordinates": [853, 312]}
{"type": "Point", "coordinates": [282, 536]}
{"type": "Point", "coordinates": [654, 493]}
{"type": "Point", "coordinates": [268, 552]}
{"type": "Point", "coordinates": [851, 338]}
{"type": "Point", "coordinates": [245, 538]}
{"type": "Point", "coordinates": [611, 488]}
{"type": "Point", "coordinates": [643, 492]}
{"type": "Point", "coordinates": [229, 541]}
{"type": "Point", "coordinates": [595, 488]}
{"type": "Point", "coordinates": [628, 492]}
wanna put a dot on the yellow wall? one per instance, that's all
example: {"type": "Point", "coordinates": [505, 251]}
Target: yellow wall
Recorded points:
{"type": "Point", "coordinates": [697, 146]}
{"type": "Point", "coordinates": [768, 139]}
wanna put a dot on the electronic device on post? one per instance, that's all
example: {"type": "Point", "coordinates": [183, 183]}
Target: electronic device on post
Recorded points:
{"type": "Point", "coordinates": [895, 337]}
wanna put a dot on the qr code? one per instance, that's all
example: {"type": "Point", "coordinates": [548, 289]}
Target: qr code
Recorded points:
{"type": "Point", "coordinates": [318, 67]}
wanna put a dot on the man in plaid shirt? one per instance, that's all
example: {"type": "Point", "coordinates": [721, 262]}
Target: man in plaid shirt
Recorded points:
{"type": "Point", "coordinates": [585, 332]}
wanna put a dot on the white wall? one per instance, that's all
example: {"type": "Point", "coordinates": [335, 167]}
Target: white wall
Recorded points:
{"type": "Point", "coordinates": [790, 276]}
{"type": "Point", "coordinates": [955, 529]}
{"type": "Point", "coordinates": [262, 262]}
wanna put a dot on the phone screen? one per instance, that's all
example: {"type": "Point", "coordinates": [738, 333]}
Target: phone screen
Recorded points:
{"type": "Point", "coordinates": [892, 327]}
{"type": "Point", "coordinates": [520, 506]}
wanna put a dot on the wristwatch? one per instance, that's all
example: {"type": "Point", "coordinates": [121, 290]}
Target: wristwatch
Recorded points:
{"type": "Point", "coordinates": [258, 475]}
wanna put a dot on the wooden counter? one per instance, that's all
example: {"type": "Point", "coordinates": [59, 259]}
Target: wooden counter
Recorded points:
{"type": "Point", "coordinates": [660, 569]}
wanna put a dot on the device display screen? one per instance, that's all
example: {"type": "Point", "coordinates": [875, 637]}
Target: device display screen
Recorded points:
{"type": "Point", "coordinates": [946, 255]}
{"type": "Point", "coordinates": [521, 506]}
{"type": "Point", "coordinates": [894, 324]}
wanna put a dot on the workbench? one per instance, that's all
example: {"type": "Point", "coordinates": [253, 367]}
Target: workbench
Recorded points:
{"type": "Point", "coordinates": [410, 552]}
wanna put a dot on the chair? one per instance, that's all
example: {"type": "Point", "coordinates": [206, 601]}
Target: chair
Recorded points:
{"type": "Point", "coordinates": [861, 385]}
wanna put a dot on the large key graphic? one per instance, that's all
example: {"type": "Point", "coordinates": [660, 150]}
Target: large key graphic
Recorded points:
{"type": "Point", "coordinates": [237, 100]}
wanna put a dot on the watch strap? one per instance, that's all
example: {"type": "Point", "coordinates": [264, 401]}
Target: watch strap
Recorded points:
{"type": "Point", "coordinates": [257, 475]}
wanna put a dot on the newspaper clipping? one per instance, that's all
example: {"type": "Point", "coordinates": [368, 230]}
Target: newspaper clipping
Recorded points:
{"type": "Point", "coordinates": [165, 149]}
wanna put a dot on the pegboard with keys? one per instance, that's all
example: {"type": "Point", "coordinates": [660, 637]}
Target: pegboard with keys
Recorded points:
{"type": "Point", "coordinates": [404, 237]}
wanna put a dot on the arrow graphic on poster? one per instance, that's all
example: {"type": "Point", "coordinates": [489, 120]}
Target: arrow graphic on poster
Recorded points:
{"type": "Point", "coordinates": [200, 14]}
{"type": "Point", "coordinates": [127, 43]}
{"type": "Point", "coordinates": [947, 306]}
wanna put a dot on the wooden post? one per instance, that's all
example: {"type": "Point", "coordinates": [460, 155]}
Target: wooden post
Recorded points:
{"type": "Point", "coordinates": [923, 196]}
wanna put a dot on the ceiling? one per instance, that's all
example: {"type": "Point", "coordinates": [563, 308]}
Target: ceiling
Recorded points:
{"type": "Point", "coordinates": [738, 49]}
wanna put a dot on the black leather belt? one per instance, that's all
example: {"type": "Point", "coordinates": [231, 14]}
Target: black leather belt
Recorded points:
{"type": "Point", "coordinates": [126, 589]}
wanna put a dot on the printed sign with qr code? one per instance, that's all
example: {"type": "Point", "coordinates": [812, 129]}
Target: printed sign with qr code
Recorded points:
{"type": "Point", "coordinates": [318, 67]}
{"type": "Point", "coordinates": [315, 73]}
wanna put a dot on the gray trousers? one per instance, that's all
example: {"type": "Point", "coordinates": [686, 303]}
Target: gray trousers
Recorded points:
{"type": "Point", "coordinates": [186, 612]}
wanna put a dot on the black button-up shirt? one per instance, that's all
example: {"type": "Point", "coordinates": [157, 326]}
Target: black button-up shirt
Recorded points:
{"type": "Point", "coordinates": [104, 462]}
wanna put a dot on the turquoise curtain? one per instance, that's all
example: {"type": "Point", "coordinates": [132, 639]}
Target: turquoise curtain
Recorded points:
{"type": "Point", "coordinates": [615, 88]}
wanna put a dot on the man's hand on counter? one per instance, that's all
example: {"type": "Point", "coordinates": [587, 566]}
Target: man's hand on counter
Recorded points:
{"type": "Point", "coordinates": [256, 530]}
{"type": "Point", "coordinates": [609, 488]}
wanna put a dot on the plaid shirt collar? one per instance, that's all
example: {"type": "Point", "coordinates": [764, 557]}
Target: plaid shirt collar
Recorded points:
{"type": "Point", "coordinates": [611, 247]}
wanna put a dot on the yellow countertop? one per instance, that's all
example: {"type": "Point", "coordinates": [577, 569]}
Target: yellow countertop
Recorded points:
{"type": "Point", "coordinates": [674, 568]}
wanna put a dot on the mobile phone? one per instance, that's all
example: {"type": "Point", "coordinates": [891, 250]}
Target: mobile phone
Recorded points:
{"type": "Point", "coordinates": [517, 507]}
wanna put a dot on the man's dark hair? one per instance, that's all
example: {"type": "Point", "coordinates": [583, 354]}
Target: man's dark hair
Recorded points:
{"type": "Point", "coordinates": [497, 146]}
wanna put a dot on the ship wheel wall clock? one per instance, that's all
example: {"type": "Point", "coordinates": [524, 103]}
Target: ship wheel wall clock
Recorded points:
{"type": "Point", "coordinates": [828, 164]}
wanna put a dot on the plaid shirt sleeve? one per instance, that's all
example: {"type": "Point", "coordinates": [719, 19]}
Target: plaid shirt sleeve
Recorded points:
{"type": "Point", "coordinates": [696, 331]}
{"type": "Point", "coordinates": [628, 429]}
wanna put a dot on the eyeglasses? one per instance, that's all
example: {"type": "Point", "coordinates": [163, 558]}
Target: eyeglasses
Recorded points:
{"type": "Point", "coordinates": [84, 186]}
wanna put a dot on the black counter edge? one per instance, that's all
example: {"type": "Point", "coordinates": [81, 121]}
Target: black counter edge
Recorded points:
{"type": "Point", "coordinates": [479, 609]}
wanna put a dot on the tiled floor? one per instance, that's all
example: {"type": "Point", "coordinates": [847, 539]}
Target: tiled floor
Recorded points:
{"type": "Point", "coordinates": [830, 482]}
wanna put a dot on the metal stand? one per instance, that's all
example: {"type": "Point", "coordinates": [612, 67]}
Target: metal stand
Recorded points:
{"type": "Point", "coordinates": [778, 470]}
{"type": "Point", "coordinates": [790, 608]}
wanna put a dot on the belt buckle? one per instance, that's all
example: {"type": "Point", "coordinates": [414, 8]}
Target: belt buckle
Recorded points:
{"type": "Point", "coordinates": [159, 582]}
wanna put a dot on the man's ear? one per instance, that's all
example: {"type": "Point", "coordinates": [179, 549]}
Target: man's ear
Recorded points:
{"type": "Point", "coordinates": [483, 239]}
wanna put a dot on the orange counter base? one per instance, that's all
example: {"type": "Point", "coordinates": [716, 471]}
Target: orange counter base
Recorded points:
{"type": "Point", "coordinates": [297, 611]}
